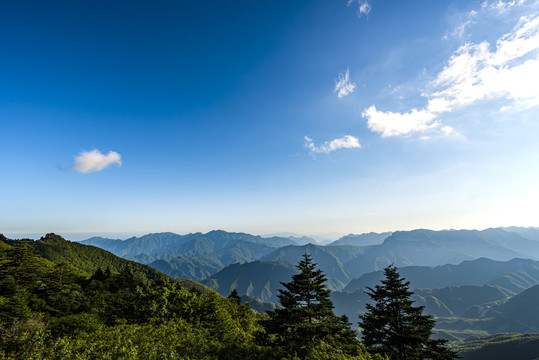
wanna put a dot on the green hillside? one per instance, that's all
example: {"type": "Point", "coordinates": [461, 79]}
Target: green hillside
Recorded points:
{"type": "Point", "coordinates": [500, 347]}
{"type": "Point", "coordinates": [87, 259]}
{"type": "Point", "coordinates": [52, 310]}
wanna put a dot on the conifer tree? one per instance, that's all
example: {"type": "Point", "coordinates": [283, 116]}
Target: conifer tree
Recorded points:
{"type": "Point", "coordinates": [397, 328]}
{"type": "Point", "coordinates": [234, 296]}
{"type": "Point", "coordinates": [306, 320]}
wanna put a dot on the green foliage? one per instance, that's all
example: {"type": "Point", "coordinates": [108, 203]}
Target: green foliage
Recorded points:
{"type": "Point", "coordinates": [54, 311]}
{"type": "Point", "coordinates": [22, 339]}
{"type": "Point", "coordinates": [306, 327]}
{"type": "Point", "coordinates": [235, 297]}
{"type": "Point", "coordinates": [86, 258]}
{"type": "Point", "coordinates": [397, 328]}
{"type": "Point", "coordinates": [257, 305]}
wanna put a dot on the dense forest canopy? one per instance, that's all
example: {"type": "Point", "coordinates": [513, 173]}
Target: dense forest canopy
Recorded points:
{"type": "Point", "coordinates": [108, 307]}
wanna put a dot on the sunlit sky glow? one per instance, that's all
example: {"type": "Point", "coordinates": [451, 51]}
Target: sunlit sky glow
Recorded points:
{"type": "Point", "coordinates": [310, 117]}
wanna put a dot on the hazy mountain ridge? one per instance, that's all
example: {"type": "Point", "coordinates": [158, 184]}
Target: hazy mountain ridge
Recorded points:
{"type": "Point", "coordinates": [449, 290]}
{"type": "Point", "coordinates": [329, 258]}
{"type": "Point", "coordinates": [198, 256]}
{"type": "Point", "coordinates": [202, 266]}
{"type": "Point", "coordinates": [473, 272]}
{"type": "Point", "coordinates": [195, 256]}
{"type": "Point", "coordinates": [147, 244]}
{"type": "Point", "coordinates": [264, 280]}
{"type": "Point", "coordinates": [458, 300]}
{"type": "Point", "coordinates": [431, 248]}
{"type": "Point", "coordinates": [517, 314]}
{"type": "Point", "coordinates": [366, 239]}
{"type": "Point", "coordinates": [190, 244]}
{"type": "Point", "coordinates": [522, 308]}
{"type": "Point", "coordinates": [531, 233]}
{"type": "Point", "coordinates": [462, 309]}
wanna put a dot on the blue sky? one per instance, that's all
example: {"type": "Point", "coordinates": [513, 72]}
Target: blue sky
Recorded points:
{"type": "Point", "coordinates": [268, 116]}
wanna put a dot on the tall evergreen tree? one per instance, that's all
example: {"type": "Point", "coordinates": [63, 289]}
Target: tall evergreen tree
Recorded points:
{"type": "Point", "coordinates": [306, 321]}
{"type": "Point", "coordinates": [235, 297]}
{"type": "Point", "coordinates": [397, 328]}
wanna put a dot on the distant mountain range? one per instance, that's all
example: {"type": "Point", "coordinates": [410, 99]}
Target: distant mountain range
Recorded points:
{"type": "Point", "coordinates": [193, 256]}
{"type": "Point", "coordinates": [198, 256]}
{"type": "Point", "coordinates": [474, 301]}
{"type": "Point", "coordinates": [190, 244]}
{"type": "Point", "coordinates": [467, 278]}
{"type": "Point", "coordinates": [432, 248]}
{"type": "Point", "coordinates": [371, 238]}
{"type": "Point", "coordinates": [515, 275]}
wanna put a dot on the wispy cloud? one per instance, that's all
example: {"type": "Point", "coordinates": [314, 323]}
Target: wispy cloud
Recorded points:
{"type": "Point", "coordinates": [473, 73]}
{"type": "Point", "coordinates": [363, 7]}
{"type": "Point", "coordinates": [461, 29]}
{"type": "Point", "coordinates": [501, 6]}
{"type": "Point", "coordinates": [91, 161]}
{"type": "Point", "coordinates": [346, 142]}
{"type": "Point", "coordinates": [343, 86]}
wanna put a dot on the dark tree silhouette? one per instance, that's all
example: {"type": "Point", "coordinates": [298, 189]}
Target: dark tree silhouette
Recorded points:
{"type": "Point", "coordinates": [235, 297]}
{"type": "Point", "coordinates": [306, 320]}
{"type": "Point", "coordinates": [392, 325]}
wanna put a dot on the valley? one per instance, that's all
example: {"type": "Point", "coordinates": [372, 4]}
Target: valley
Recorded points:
{"type": "Point", "coordinates": [469, 280]}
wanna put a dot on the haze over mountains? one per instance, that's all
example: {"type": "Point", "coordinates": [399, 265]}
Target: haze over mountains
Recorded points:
{"type": "Point", "coordinates": [468, 279]}
{"type": "Point", "coordinates": [198, 256]}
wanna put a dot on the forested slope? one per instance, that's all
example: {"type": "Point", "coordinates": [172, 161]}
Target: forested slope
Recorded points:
{"type": "Point", "coordinates": [50, 309]}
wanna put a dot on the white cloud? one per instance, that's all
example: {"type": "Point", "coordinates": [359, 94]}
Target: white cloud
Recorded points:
{"type": "Point", "coordinates": [449, 130]}
{"type": "Point", "coordinates": [90, 161]}
{"type": "Point", "coordinates": [364, 7]}
{"type": "Point", "coordinates": [392, 124]}
{"type": "Point", "coordinates": [346, 142]}
{"type": "Point", "coordinates": [473, 73]}
{"type": "Point", "coordinates": [343, 86]}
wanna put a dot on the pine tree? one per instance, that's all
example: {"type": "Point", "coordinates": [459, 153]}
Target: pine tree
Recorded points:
{"type": "Point", "coordinates": [306, 320]}
{"type": "Point", "coordinates": [235, 297]}
{"type": "Point", "coordinates": [397, 328]}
